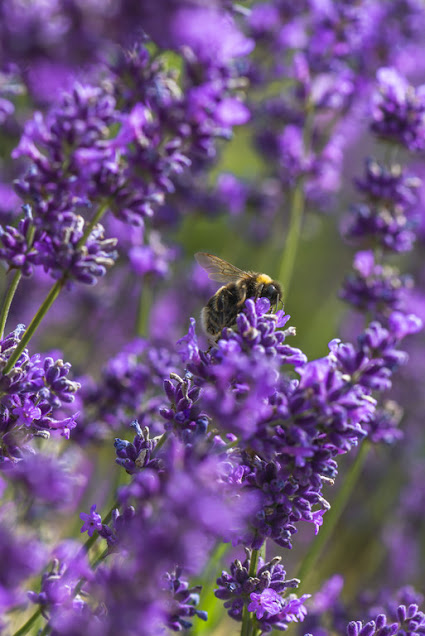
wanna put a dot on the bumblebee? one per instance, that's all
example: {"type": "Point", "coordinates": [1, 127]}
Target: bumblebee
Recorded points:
{"type": "Point", "coordinates": [222, 308]}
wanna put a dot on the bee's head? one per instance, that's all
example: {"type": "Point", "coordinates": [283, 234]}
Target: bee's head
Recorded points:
{"type": "Point", "coordinates": [273, 292]}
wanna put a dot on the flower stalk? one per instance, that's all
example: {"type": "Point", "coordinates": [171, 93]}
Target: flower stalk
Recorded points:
{"type": "Point", "coordinates": [34, 324]}
{"type": "Point", "coordinates": [7, 300]}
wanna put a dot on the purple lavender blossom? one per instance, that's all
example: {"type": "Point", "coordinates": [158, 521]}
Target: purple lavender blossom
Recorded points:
{"type": "Point", "coordinates": [375, 357]}
{"type": "Point", "coordinates": [59, 249]}
{"type": "Point", "coordinates": [268, 602]}
{"type": "Point", "coordinates": [63, 255]}
{"type": "Point", "coordinates": [92, 521]}
{"type": "Point", "coordinates": [17, 244]}
{"type": "Point", "coordinates": [33, 392]}
{"type": "Point", "coordinates": [193, 118]}
{"type": "Point", "coordinates": [140, 135]}
{"type": "Point", "coordinates": [133, 456]}
{"type": "Point", "coordinates": [247, 359]}
{"type": "Point", "coordinates": [262, 593]}
{"type": "Point", "coordinates": [183, 416]}
{"type": "Point", "coordinates": [297, 428]}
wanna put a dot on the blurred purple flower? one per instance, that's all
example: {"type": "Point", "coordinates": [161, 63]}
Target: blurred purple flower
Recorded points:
{"type": "Point", "coordinates": [375, 288]}
{"type": "Point", "coordinates": [399, 110]}
{"type": "Point", "coordinates": [232, 192]}
{"type": "Point", "coordinates": [151, 260]}
{"type": "Point", "coordinates": [22, 556]}
{"type": "Point", "coordinates": [211, 34]}
{"type": "Point", "coordinates": [182, 602]}
{"type": "Point", "coordinates": [44, 479]}
{"type": "Point", "coordinates": [232, 112]}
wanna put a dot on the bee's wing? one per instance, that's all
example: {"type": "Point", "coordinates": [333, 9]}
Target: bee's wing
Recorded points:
{"type": "Point", "coordinates": [219, 270]}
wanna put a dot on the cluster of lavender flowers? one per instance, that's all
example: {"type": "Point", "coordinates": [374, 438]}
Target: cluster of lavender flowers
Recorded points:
{"type": "Point", "coordinates": [311, 71]}
{"type": "Point", "coordinates": [120, 144]}
{"type": "Point", "coordinates": [235, 444]}
{"type": "Point", "coordinates": [386, 220]}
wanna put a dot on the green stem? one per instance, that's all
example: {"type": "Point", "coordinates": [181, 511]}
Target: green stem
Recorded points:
{"type": "Point", "coordinates": [108, 517]}
{"type": "Point", "coordinates": [292, 239]}
{"type": "Point", "coordinates": [44, 308]}
{"type": "Point", "coordinates": [100, 558]}
{"type": "Point", "coordinates": [100, 212]}
{"type": "Point", "coordinates": [297, 209]}
{"type": "Point", "coordinates": [246, 622]}
{"type": "Point", "coordinates": [25, 628]}
{"type": "Point", "coordinates": [90, 541]}
{"type": "Point", "coordinates": [8, 297]}
{"type": "Point", "coordinates": [332, 517]}
{"type": "Point", "coordinates": [94, 565]}
{"type": "Point", "coordinates": [254, 562]}
{"type": "Point", "coordinates": [247, 626]}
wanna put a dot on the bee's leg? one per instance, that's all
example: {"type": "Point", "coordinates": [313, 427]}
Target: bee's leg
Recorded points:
{"type": "Point", "coordinates": [259, 291]}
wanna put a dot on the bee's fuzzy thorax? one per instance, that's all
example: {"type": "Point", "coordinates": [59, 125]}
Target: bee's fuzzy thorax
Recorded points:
{"type": "Point", "coordinates": [263, 279]}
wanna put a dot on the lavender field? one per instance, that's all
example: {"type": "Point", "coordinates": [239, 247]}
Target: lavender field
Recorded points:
{"type": "Point", "coordinates": [263, 474]}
